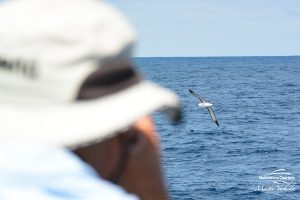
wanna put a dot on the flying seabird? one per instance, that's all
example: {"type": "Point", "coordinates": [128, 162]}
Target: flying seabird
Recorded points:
{"type": "Point", "coordinates": [204, 104]}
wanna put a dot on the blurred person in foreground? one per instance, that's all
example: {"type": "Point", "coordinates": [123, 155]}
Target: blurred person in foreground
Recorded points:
{"type": "Point", "coordinates": [74, 113]}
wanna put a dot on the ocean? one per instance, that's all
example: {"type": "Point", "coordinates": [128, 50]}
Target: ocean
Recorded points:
{"type": "Point", "coordinates": [255, 152]}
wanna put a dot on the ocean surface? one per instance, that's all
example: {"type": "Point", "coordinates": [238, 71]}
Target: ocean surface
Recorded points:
{"type": "Point", "coordinates": [257, 103]}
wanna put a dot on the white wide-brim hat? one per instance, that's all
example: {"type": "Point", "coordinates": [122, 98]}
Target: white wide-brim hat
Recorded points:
{"type": "Point", "coordinates": [48, 51]}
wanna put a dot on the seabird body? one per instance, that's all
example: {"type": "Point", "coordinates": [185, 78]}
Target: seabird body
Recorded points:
{"type": "Point", "coordinates": [205, 104]}
{"type": "Point", "coordinates": [208, 106]}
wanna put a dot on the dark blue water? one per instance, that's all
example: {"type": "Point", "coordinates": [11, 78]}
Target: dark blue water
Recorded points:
{"type": "Point", "coordinates": [257, 102]}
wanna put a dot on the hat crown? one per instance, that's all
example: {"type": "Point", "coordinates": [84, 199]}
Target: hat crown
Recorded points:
{"type": "Point", "coordinates": [48, 47]}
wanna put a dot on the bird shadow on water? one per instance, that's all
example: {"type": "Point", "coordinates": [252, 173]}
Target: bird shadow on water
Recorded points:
{"type": "Point", "coordinates": [210, 132]}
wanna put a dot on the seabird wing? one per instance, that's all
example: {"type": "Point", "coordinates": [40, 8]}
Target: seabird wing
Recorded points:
{"type": "Point", "coordinates": [212, 114]}
{"type": "Point", "coordinates": [196, 95]}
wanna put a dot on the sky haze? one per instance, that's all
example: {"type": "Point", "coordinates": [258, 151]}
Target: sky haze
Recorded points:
{"type": "Point", "coordinates": [214, 27]}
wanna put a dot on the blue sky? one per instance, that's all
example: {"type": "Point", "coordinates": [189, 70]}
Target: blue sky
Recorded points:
{"type": "Point", "coordinates": [214, 27]}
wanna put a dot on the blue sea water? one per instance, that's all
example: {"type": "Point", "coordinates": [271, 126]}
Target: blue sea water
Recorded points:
{"type": "Point", "coordinates": [257, 102]}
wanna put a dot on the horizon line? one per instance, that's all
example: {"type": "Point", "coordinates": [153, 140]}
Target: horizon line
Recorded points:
{"type": "Point", "coordinates": [212, 56]}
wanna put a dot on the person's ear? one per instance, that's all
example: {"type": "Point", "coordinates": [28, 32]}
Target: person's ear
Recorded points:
{"type": "Point", "coordinates": [126, 143]}
{"type": "Point", "coordinates": [142, 174]}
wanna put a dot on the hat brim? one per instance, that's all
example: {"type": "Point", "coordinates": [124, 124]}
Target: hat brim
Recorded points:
{"type": "Point", "coordinates": [84, 122]}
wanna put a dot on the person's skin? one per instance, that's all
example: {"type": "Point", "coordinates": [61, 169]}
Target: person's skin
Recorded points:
{"type": "Point", "coordinates": [141, 174]}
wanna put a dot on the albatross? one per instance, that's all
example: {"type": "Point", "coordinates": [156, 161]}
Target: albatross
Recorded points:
{"type": "Point", "coordinates": [205, 104]}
